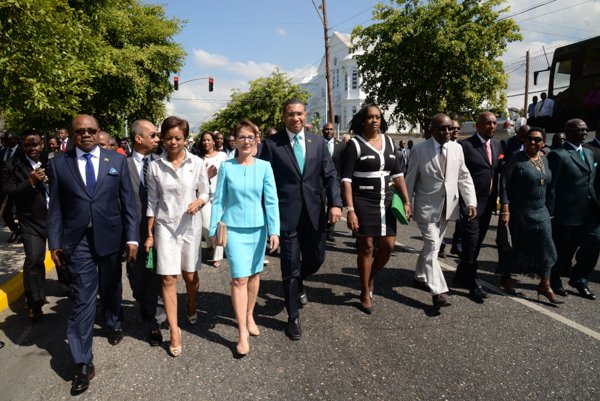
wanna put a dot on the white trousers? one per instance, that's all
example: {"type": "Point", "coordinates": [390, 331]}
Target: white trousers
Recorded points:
{"type": "Point", "coordinates": [218, 250]}
{"type": "Point", "coordinates": [428, 268]}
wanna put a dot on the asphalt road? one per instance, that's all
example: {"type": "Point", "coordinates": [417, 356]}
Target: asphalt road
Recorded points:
{"type": "Point", "coordinates": [504, 349]}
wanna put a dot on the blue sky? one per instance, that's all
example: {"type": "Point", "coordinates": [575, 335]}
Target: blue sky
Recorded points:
{"type": "Point", "coordinates": [235, 41]}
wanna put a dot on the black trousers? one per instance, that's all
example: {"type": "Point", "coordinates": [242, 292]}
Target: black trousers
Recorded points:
{"type": "Point", "coordinates": [581, 242]}
{"type": "Point", "coordinates": [473, 234]}
{"type": "Point", "coordinates": [34, 271]}
{"type": "Point", "coordinates": [8, 215]}
{"type": "Point", "coordinates": [146, 286]}
{"type": "Point", "coordinates": [302, 254]}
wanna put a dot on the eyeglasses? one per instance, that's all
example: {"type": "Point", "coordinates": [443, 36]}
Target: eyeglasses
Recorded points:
{"type": "Point", "coordinates": [250, 139]}
{"type": "Point", "coordinates": [81, 131]}
{"type": "Point", "coordinates": [536, 139]}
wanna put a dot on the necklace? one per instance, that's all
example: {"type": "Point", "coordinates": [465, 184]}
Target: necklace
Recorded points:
{"type": "Point", "coordinates": [539, 165]}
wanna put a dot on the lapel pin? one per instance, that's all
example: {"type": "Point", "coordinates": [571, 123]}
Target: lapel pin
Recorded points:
{"type": "Point", "coordinates": [106, 159]}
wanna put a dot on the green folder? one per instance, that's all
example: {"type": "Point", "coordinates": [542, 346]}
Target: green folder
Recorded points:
{"type": "Point", "coordinates": [151, 259]}
{"type": "Point", "coordinates": [398, 209]}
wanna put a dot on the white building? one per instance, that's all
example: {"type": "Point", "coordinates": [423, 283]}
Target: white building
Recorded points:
{"type": "Point", "coordinates": [345, 78]}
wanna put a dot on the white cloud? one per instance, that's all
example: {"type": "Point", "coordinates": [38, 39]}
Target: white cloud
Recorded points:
{"type": "Point", "coordinates": [281, 32]}
{"type": "Point", "coordinates": [193, 101]}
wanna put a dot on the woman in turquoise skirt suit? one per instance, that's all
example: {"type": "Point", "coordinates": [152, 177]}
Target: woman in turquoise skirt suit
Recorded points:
{"type": "Point", "coordinates": [246, 201]}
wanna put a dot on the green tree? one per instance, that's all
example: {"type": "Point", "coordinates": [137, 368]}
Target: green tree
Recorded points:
{"type": "Point", "coordinates": [435, 55]}
{"type": "Point", "coordinates": [112, 58]}
{"type": "Point", "coordinates": [262, 103]}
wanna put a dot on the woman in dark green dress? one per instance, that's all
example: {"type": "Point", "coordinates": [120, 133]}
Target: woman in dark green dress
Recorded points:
{"type": "Point", "coordinates": [523, 197]}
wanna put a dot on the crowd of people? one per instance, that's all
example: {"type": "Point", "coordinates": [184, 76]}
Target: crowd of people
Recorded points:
{"type": "Point", "coordinates": [153, 203]}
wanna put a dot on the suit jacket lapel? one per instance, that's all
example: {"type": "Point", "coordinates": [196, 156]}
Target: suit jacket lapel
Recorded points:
{"type": "Point", "coordinates": [435, 158]}
{"type": "Point", "coordinates": [577, 158]}
{"type": "Point", "coordinates": [103, 166]}
{"type": "Point", "coordinates": [133, 172]}
{"type": "Point", "coordinates": [71, 159]}
{"type": "Point", "coordinates": [287, 146]}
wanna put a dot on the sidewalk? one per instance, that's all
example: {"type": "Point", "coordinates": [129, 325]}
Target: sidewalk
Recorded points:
{"type": "Point", "coordinates": [11, 266]}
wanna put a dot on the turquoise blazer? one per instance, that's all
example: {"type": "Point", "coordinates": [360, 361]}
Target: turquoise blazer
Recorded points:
{"type": "Point", "coordinates": [240, 195]}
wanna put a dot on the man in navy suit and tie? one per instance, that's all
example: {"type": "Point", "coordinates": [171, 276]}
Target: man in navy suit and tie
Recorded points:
{"type": "Point", "coordinates": [91, 215]}
{"type": "Point", "coordinates": [573, 204]}
{"type": "Point", "coordinates": [302, 167]}
{"type": "Point", "coordinates": [335, 147]}
{"type": "Point", "coordinates": [482, 157]}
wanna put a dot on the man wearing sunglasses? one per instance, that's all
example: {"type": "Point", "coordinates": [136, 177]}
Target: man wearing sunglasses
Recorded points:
{"type": "Point", "coordinates": [573, 205]}
{"type": "Point", "coordinates": [90, 217]}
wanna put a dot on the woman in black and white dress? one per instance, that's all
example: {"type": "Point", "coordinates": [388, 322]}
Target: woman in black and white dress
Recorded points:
{"type": "Point", "coordinates": [369, 166]}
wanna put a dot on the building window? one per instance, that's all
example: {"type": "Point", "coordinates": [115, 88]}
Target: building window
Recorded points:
{"type": "Point", "coordinates": [346, 81]}
{"type": "Point", "coordinates": [354, 79]}
{"type": "Point", "coordinates": [354, 110]}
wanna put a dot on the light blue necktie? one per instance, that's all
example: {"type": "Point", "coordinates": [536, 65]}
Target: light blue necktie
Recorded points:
{"type": "Point", "coordinates": [90, 174]}
{"type": "Point", "coordinates": [298, 152]}
{"type": "Point", "coordinates": [581, 154]}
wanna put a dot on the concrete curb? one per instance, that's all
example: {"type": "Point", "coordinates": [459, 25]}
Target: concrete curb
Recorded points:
{"type": "Point", "coordinates": [12, 290]}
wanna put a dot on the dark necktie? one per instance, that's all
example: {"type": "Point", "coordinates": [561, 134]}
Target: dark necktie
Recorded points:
{"type": "Point", "coordinates": [443, 161]}
{"type": "Point", "coordinates": [146, 160]}
{"type": "Point", "coordinates": [90, 174]}
{"type": "Point", "coordinates": [8, 154]}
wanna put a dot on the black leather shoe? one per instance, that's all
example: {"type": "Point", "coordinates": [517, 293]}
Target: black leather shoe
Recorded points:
{"type": "Point", "coordinates": [293, 330]}
{"type": "Point", "coordinates": [455, 251]}
{"type": "Point", "coordinates": [478, 293]}
{"type": "Point", "coordinates": [115, 337]}
{"type": "Point", "coordinates": [155, 338]}
{"type": "Point", "coordinates": [583, 290]}
{"type": "Point", "coordinates": [36, 314]}
{"type": "Point", "coordinates": [81, 380]}
{"type": "Point", "coordinates": [441, 300]}
{"type": "Point", "coordinates": [560, 291]}
{"type": "Point", "coordinates": [303, 298]}
{"type": "Point", "coordinates": [420, 285]}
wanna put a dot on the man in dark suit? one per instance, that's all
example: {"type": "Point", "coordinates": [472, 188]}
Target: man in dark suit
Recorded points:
{"type": "Point", "coordinates": [482, 159]}
{"type": "Point", "coordinates": [25, 182]}
{"type": "Point", "coordinates": [302, 167]}
{"type": "Point", "coordinates": [10, 149]}
{"type": "Point", "coordinates": [145, 283]}
{"type": "Point", "coordinates": [65, 143]}
{"type": "Point", "coordinates": [573, 205]}
{"type": "Point", "coordinates": [335, 147]}
{"type": "Point", "coordinates": [91, 216]}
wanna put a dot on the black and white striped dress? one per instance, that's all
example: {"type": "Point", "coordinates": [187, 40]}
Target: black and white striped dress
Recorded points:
{"type": "Point", "coordinates": [370, 172]}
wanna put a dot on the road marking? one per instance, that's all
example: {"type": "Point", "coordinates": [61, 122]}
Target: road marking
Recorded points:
{"type": "Point", "coordinates": [531, 305]}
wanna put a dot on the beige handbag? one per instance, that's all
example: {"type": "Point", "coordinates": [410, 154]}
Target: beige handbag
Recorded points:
{"type": "Point", "coordinates": [221, 234]}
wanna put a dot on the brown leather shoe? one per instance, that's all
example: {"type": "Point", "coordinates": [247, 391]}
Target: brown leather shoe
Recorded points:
{"type": "Point", "coordinates": [441, 300]}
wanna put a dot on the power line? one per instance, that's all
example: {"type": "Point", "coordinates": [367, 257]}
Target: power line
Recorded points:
{"type": "Point", "coordinates": [527, 10]}
{"type": "Point", "coordinates": [556, 11]}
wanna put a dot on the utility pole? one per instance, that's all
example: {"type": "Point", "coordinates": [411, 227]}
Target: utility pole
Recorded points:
{"type": "Point", "coordinates": [329, 114]}
{"type": "Point", "coordinates": [526, 83]}
{"type": "Point", "coordinates": [328, 65]}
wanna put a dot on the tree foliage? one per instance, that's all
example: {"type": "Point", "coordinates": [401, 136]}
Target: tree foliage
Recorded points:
{"type": "Point", "coordinates": [111, 58]}
{"type": "Point", "coordinates": [433, 56]}
{"type": "Point", "coordinates": [262, 103]}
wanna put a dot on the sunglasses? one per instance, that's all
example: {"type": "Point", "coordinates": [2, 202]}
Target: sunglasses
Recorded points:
{"type": "Point", "coordinates": [535, 139]}
{"type": "Point", "coordinates": [81, 131]}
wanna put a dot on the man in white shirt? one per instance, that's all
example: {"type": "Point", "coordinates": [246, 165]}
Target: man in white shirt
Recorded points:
{"type": "Point", "coordinates": [544, 110]}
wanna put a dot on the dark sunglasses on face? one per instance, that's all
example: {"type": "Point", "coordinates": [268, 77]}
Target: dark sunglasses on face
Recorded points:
{"type": "Point", "coordinates": [535, 139]}
{"type": "Point", "coordinates": [81, 131]}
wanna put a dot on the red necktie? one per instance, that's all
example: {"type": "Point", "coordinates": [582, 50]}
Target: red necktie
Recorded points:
{"type": "Point", "coordinates": [488, 151]}
{"type": "Point", "coordinates": [63, 146]}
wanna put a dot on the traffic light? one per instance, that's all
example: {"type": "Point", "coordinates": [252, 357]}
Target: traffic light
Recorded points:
{"type": "Point", "coordinates": [176, 83]}
{"type": "Point", "coordinates": [210, 84]}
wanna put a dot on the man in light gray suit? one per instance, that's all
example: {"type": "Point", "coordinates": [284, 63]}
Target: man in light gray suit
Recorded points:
{"type": "Point", "coordinates": [145, 284]}
{"type": "Point", "coordinates": [435, 177]}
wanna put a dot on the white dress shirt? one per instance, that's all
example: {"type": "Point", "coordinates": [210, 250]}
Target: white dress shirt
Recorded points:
{"type": "Point", "coordinates": [81, 161]}
{"type": "Point", "coordinates": [36, 165]}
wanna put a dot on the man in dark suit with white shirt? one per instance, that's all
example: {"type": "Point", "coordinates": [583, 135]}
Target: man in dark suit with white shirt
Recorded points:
{"type": "Point", "coordinates": [302, 167]}
{"type": "Point", "coordinates": [573, 204]}
{"type": "Point", "coordinates": [90, 218]}
{"type": "Point", "coordinates": [482, 159]}
{"type": "Point", "coordinates": [145, 283]}
{"type": "Point", "coordinates": [335, 148]}
{"type": "Point", "coordinates": [594, 146]}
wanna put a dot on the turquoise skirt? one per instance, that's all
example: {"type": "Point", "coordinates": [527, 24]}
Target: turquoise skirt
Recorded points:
{"type": "Point", "coordinates": [245, 250]}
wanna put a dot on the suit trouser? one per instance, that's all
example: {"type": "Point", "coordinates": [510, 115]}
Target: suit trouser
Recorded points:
{"type": "Point", "coordinates": [92, 274]}
{"type": "Point", "coordinates": [473, 234]}
{"type": "Point", "coordinates": [8, 215]}
{"type": "Point", "coordinates": [34, 271]}
{"type": "Point", "coordinates": [428, 268]}
{"type": "Point", "coordinates": [583, 242]}
{"type": "Point", "coordinates": [146, 286]}
{"type": "Point", "coordinates": [505, 252]}
{"type": "Point", "coordinates": [302, 254]}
